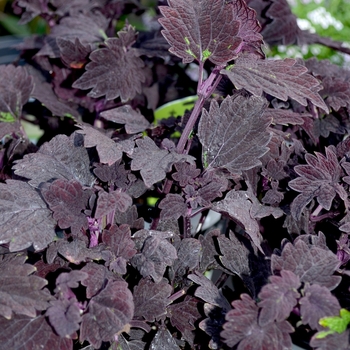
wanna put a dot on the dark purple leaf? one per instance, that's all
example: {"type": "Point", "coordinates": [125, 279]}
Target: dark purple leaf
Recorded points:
{"type": "Point", "coordinates": [279, 78]}
{"type": "Point", "coordinates": [234, 254]}
{"type": "Point", "coordinates": [188, 256]}
{"type": "Point", "coordinates": [173, 207]}
{"type": "Point", "coordinates": [118, 240]}
{"type": "Point", "coordinates": [64, 316]}
{"type": "Point", "coordinates": [108, 150]}
{"type": "Point", "coordinates": [319, 178]}
{"type": "Point", "coordinates": [228, 146]}
{"type": "Point", "coordinates": [278, 298]}
{"type": "Point", "coordinates": [331, 341]}
{"type": "Point", "coordinates": [98, 275]}
{"type": "Point", "coordinates": [134, 121]}
{"type": "Point", "coordinates": [316, 303]}
{"type": "Point", "coordinates": [112, 201]}
{"type": "Point", "coordinates": [26, 333]}
{"type": "Point", "coordinates": [67, 200]}
{"type": "Point", "coordinates": [237, 205]}
{"type": "Point", "coordinates": [285, 116]}
{"type": "Point", "coordinates": [131, 218]}
{"type": "Point", "coordinates": [69, 280]}
{"type": "Point", "coordinates": [153, 162]}
{"type": "Point", "coordinates": [209, 252]}
{"type": "Point", "coordinates": [336, 92]}
{"type": "Point", "coordinates": [114, 71]}
{"type": "Point", "coordinates": [58, 159]}
{"type": "Point", "coordinates": [73, 54]}
{"type": "Point", "coordinates": [151, 299]}
{"type": "Point", "coordinates": [212, 30]}
{"type": "Point", "coordinates": [20, 291]}
{"type": "Point", "coordinates": [76, 252]}
{"type": "Point", "coordinates": [311, 264]}
{"type": "Point", "coordinates": [163, 340]}
{"type": "Point", "coordinates": [242, 327]}
{"type": "Point", "coordinates": [108, 313]}
{"type": "Point", "coordinates": [186, 173]}
{"type": "Point", "coordinates": [24, 217]}
{"type": "Point", "coordinates": [183, 316]}
{"type": "Point", "coordinates": [32, 8]}
{"type": "Point", "coordinates": [156, 254]}
{"type": "Point", "coordinates": [208, 292]}
{"type": "Point", "coordinates": [44, 93]}
{"type": "Point", "coordinates": [15, 89]}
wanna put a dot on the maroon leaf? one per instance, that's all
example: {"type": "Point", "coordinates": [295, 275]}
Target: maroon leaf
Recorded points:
{"type": "Point", "coordinates": [134, 121]}
{"type": "Point", "coordinates": [114, 71]}
{"type": "Point", "coordinates": [26, 333]}
{"type": "Point", "coordinates": [316, 303]}
{"type": "Point", "coordinates": [24, 217]}
{"type": "Point", "coordinates": [234, 254]}
{"type": "Point", "coordinates": [310, 263]}
{"type": "Point", "coordinates": [183, 316]}
{"type": "Point", "coordinates": [64, 316]}
{"type": "Point", "coordinates": [228, 146]}
{"type": "Point", "coordinates": [153, 162]}
{"type": "Point", "coordinates": [67, 200]}
{"type": "Point", "coordinates": [279, 78]}
{"type": "Point", "coordinates": [20, 291]}
{"type": "Point", "coordinates": [118, 240]}
{"type": "Point", "coordinates": [156, 254]}
{"type": "Point", "coordinates": [319, 178]}
{"type": "Point", "coordinates": [108, 313]}
{"type": "Point", "coordinates": [208, 292]}
{"type": "Point", "coordinates": [285, 116]}
{"type": "Point", "coordinates": [278, 298]}
{"type": "Point", "coordinates": [15, 89]}
{"type": "Point", "coordinates": [60, 158]}
{"type": "Point", "coordinates": [151, 299]}
{"type": "Point", "coordinates": [173, 206]}
{"type": "Point", "coordinates": [112, 201]}
{"type": "Point", "coordinates": [237, 205]}
{"type": "Point", "coordinates": [242, 327]}
{"type": "Point", "coordinates": [203, 30]}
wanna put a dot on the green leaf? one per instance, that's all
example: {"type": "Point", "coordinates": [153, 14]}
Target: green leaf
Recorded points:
{"type": "Point", "coordinates": [6, 117]}
{"type": "Point", "coordinates": [336, 324]}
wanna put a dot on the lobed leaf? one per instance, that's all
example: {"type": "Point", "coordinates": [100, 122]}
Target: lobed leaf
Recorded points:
{"type": "Point", "coordinates": [233, 135]}
{"type": "Point", "coordinates": [279, 78]}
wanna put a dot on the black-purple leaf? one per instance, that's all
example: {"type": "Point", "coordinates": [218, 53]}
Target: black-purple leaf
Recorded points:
{"type": "Point", "coordinates": [278, 298]}
{"type": "Point", "coordinates": [234, 254]}
{"type": "Point", "coordinates": [316, 303]}
{"type": "Point", "coordinates": [134, 121]}
{"type": "Point", "coordinates": [183, 316]}
{"type": "Point", "coordinates": [285, 116]}
{"type": "Point", "coordinates": [209, 252]}
{"type": "Point", "coordinates": [163, 340]}
{"type": "Point", "coordinates": [237, 205]}
{"type": "Point", "coordinates": [58, 159]}
{"type": "Point", "coordinates": [131, 218]}
{"type": "Point", "coordinates": [67, 200]}
{"type": "Point", "coordinates": [186, 173]}
{"type": "Point", "coordinates": [208, 292]}
{"type": "Point", "coordinates": [233, 135]}
{"type": "Point", "coordinates": [319, 178]}
{"type": "Point", "coordinates": [24, 217]}
{"type": "Point", "coordinates": [15, 89]}
{"type": "Point", "coordinates": [279, 78]}
{"type": "Point", "coordinates": [188, 256]}
{"type": "Point", "coordinates": [173, 206]}
{"type": "Point", "coordinates": [156, 254]}
{"type": "Point", "coordinates": [112, 201]}
{"type": "Point", "coordinates": [212, 30]}
{"type": "Point", "coordinates": [20, 291]}
{"type": "Point", "coordinates": [27, 333]}
{"type": "Point", "coordinates": [242, 327]}
{"type": "Point", "coordinates": [118, 240]}
{"type": "Point", "coordinates": [108, 313]}
{"type": "Point", "coordinates": [311, 263]}
{"type": "Point", "coordinates": [65, 316]}
{"type": "Point", "coordinates": [73, 54]}
{"type": "Point", "coordinates": [151, 299]}
{"type": "Point", "coordinates": [153, 162]}
{"type": "Point", "coordinates": [76, 252]}
{"type": "Point", "coordinates": [114, 71]}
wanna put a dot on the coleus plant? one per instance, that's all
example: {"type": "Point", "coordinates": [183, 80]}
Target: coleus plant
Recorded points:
{"type": "Point", "coordinates": [104, 221]}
